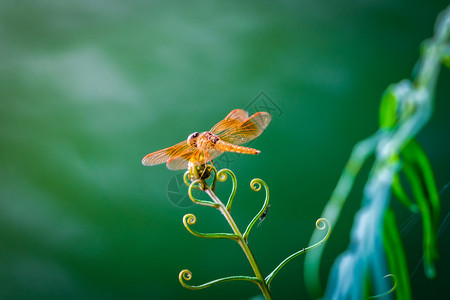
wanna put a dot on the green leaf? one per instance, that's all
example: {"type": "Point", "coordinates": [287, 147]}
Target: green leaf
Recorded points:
{"type": "Point", "coordinates": [396, 256]}
{"type": "Point", "coordinates": [446, 61]}
{"type": "Point", "coordinates": [429, 233]}
{"type": "Point", "coordinates": [388, 109]}
{"type": "Point", "coordinates": [417, 156]}
{"type": "Point", "coordinates": [401, 194]}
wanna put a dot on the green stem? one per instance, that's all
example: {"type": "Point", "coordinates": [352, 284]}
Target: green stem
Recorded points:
{"type": "Point", "coordinates": [240, 239]}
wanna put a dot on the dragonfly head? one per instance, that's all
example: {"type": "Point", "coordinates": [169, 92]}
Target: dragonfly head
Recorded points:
{"type": "Point", "coordinates": [192, 139]}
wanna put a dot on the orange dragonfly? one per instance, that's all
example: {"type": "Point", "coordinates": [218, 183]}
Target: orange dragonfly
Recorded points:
{"type": "Point", "coordinates": [237, 128]}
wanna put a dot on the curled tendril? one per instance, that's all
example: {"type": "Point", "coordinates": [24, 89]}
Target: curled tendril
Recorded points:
{"type": "Point", "coordinates": [190, 219]}
{"type": "Point", "coordinates": [198, 201]}
{"type": "Point", "coordinates": [388, 292]}
{"type": "Point", "coordinates": [222, 175]}
{"type": "Point", "coordinates": [186, 275]}
{"type": "Point", "coordinates": [255, 185]}
{"type": "Point", "coordinates": [325, 224]}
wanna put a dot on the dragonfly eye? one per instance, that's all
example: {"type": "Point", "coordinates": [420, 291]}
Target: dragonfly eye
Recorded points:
{"type": "Point", "coordinates": [191, 138]}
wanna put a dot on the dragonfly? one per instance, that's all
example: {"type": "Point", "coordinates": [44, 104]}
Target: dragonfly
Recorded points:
{"type": "Point", "coordinates": [226, 136]}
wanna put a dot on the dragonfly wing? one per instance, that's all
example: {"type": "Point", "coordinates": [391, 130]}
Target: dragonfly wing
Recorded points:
{"type": "Point", "coordinates": [164, 155]}
{"type": "Point", "coordinates": [237, 114]}
{"type": "Point", "coordinates": [214, 153]}
{"type": "Point", "coordinates": [177, 163]}
{"type": "Point", "coordinates": [196, 156]}
{"type": "Point", "coordinates": [234, 118]}
{"type": "Point", "coordinates": [181, 162]}
{"type": "Point", "coordinates": [246, 131]}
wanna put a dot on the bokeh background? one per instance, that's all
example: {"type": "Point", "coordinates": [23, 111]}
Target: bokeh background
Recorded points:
{"type": "Point", "coordinates": [87, 88]}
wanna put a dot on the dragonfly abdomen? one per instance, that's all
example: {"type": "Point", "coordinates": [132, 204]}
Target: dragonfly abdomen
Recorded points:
{"type": "Point", "coordinates": [224, 146]}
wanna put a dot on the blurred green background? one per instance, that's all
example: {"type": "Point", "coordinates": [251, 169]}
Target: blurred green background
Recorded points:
{"type": "Point", "coordinates": [87, 88]}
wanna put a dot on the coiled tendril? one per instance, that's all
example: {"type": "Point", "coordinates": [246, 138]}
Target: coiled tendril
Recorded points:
{"type": "Point", "coordinates": [186, 275]}
{"type": "Point", "coordinates": [190, 219]}
{"type": "Point", "coordinates": [256, 185]}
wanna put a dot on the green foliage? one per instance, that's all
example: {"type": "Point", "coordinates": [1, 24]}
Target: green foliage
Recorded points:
{"type": "Point", "coordinates": [395, 255]}
{"type": "Point", "coordinates": [405, 109]}
{"type": "Point", "coordinates": [420, 176]}
{"type": "Point", "coordinates": [388, 109]}
{"type": "Point", "coordinates": [375, 250]}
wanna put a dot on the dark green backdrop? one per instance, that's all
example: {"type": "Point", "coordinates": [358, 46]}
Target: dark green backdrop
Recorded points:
{"type": "Point", "coordinates": [87, 88]}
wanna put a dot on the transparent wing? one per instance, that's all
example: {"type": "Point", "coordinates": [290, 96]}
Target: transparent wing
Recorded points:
{"type": "Point", "coordinates": [237, 114]}
{"type": "Point", "coordinates": [181, 162]}
{"type": "Point", "coordinates": [214, 153]}
{"type": "Point", "coordinates": [196, 156]}
{"type": "Point", "coordinates": [234, 118]}
{"type": "Point", "coordinates": [164, 155]}
{"type": "Point", "coordinates": [242, 132]}
{"type": "Point", "coordinates": [177, 163]}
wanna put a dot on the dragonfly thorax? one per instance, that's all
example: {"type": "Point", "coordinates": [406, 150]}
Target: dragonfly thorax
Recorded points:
{"type": "Point", "coordinates": [204, 141]}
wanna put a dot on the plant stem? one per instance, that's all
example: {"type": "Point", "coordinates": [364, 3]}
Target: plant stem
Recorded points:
{"type": "Point", "coordinates": [243, 243]}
